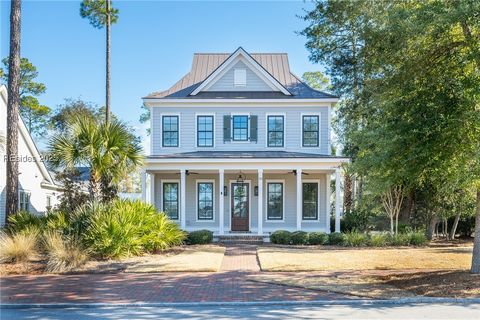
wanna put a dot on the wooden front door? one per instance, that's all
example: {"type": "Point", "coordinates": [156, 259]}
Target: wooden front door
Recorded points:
{"type": "Point", "coordinates": [239, 205]}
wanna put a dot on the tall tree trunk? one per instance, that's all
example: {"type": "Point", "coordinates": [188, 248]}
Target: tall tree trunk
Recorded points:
{"type": "Point", "coordinates": [431, 227]}
{"type": "Point", "coordinates": [107, 82]}
{"type": "Point", "coordinates": [347, 193]}
{"type": "Point", "coordinates": [13, 106]}
{"type": "Point", "coordinates": [476, 244]}
{"type": "Point", "coordinates": [453, 231]}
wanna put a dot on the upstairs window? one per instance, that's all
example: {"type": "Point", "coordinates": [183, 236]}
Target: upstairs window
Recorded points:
{"type": "Point", "coordinates": [240, 77]}
{"type": "Point", "coordinates": [310, 131]}
{"type": "Point", "coordinates": [205, 131]}
{"type": "Point", "coordinates": [170, 131]}
{"type": "Point", "coordinates": [275, 132]}
{"type": "Point", "coordinates": [240, 128]}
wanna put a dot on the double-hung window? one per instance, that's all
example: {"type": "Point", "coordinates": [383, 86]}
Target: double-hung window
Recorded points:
{"type": "Point", "coordinates": [170, 199]}
{"type": "Point", "coordinates": [170, 131]}
{"type": "Point", "coordinates": [205, 200]}
{"type": "Point", "coordinates": [310, 128]}
{"type": "Point", "coordinates": [310, 201]}
{"type": "Point", "coordinates": [205, 131]}
{"type": "Point", "coordinates": [275, 128]}
{"type": "Point", "coordinates": [240, 128]}
{"type": "Point", "coordinates": [24, 204]}
{"type": "Point", "coordinates": [274, 201]}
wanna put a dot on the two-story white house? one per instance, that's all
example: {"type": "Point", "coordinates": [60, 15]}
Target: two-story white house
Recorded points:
{"type": "Point", "coordinates": [240, 145]}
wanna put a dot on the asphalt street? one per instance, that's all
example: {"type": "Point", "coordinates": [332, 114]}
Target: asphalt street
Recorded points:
{"type": "Point", "coordinates": [244, 311]}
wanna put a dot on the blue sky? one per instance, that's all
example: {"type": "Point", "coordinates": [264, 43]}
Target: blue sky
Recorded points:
{"type": "Point", "coordinates": [152, 44]}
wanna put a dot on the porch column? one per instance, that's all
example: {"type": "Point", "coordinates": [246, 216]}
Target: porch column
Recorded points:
{"type": "Point", "coordinates": [183, 179]}
{"type": "Point", "coordinates": [152, 189]}
{"type": "Point", "coordinates": [299, 199]}
{"type": "Point", "coordinates": [338, 201]}
{"type": "Point", "coordinates": [329, 196]}
{"type": "Point", "coordinates": [143, 177]}
{"type": "Point", "coordinates": [260, 201]}
{"type": "Point", "coordinates": [221, 200]}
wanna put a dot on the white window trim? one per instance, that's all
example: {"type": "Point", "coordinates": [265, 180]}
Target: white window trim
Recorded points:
{"type": "Point", "coordinates": [267, 181]}
{"type": "Point", "coordinates": [284, 114]}
{"type": "Point", "coordinates": [248, 127]}
{"type": "Point", "coordinates": [197, 181]}
{"type": "Point", "coordinates": [196, 129]}
{"type": "Point", "coordinates": [319, 128]}
{"type": "Point", "coordinates": [163, 181]}
{"type": "Point", "coordinates": [179, 130]}
{"type": "Point", "coordinates": [235, 83]}
{"type": "Point", "coordinates": [25, 191]}
{"type": "Point", "coordinates": [249, 182]}
{"type": "Point", "coordinates": [317, 181]}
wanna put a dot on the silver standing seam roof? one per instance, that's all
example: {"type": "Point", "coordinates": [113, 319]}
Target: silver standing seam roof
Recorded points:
{"type": "Point", "coordinates": [205, 64]}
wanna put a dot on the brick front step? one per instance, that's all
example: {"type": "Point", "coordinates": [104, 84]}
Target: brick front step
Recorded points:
{"type": "Point", "coordinates": [240, 239]}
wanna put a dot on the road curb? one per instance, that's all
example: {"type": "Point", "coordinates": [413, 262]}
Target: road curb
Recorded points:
{"type": "Point", "coordinates": [241, 303]}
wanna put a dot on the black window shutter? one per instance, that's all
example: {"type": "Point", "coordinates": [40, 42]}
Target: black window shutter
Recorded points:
{"type": "Point", "coordinates": [227, 130]}
{"type": "Point", "coordinates": [253, 128]}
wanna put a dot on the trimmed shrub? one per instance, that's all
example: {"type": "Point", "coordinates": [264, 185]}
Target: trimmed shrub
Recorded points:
{"type": "Point", "coordinates": [200, 237]}
{"type": "Point", "coordinates": [299, 238]}
{"type": "Point", "coordinates": [400, 239]}
{"type": "Point", "coordinates": [316, 238]}
{"type": "Point", "coordinates": [281, 237]}
{"type": "Point", "coordinates": [336, 239]}
{"type": "Point", "coordinates": [379, 240]}
{"type": "Point", "coordinates": [417, 238]}
{"type": "Point", "coordinates": [355, 239]}
{"type": "Point", "coordinates": [19, 247]}
{"type": "Point", "coordinates": [63, 254]}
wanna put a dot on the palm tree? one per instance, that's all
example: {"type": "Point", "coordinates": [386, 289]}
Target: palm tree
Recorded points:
{"type": "Point", "coordinates": [108, 149]}
{"type": "Point", "coordinates": [13, 106]}
{"type": "Point", "coordinates": [101, 14]}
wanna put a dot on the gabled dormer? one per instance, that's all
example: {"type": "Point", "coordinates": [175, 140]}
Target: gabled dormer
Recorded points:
{"type": "Point", "coordinates": [240, 72]}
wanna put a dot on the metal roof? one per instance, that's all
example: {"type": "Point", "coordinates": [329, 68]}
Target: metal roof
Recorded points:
{"type": "Point", "coordinates": [204, 64]}
{"type": "Point", "coordinates": [242, 155]}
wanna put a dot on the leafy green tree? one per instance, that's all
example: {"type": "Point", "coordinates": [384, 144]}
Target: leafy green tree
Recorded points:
{"type": "Point", "coordinates": [110, 150]}
{"type": "Point", "coordinates": [316, 79]}
{"type": "Point", "coordinates": [33, 113]}
{"type": "Point", "coordinates": [409, 74]}
{"type": "Point", "coordinates": [101, 14]}
{"type": "Point", "coordinates": [69, 109]}
{"type": "Point", "coordinates": [145, 116]}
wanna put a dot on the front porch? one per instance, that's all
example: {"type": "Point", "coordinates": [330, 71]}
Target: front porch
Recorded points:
{"type": "Point", "coordinates": [244, 197]}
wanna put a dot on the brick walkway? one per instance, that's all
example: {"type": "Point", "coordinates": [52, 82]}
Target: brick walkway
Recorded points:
{"type": "Point", "coordinates": [158, 287]}
{"type": "Point", "coordinates": [240, 258]}
{"type": "Point", "coordinates": [230, 284]}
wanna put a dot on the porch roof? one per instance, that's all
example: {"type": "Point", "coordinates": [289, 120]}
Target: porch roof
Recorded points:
{"type": "Point", "coordinates": [243, 155]}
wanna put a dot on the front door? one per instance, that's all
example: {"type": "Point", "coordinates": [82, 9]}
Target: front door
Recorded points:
{"type": "Point", "coordinates": [239, 205]}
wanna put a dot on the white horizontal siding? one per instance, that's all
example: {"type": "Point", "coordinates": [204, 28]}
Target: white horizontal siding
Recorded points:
{"type": "Point", "coordinates": [290, 214]}
{"type": "Point", "coordinates": [293, 129]}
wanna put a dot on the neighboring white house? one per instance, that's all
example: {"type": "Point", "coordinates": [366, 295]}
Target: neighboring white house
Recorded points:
{"type": "Point", "coordinates": [37, 189]}
{"type": "Point", "coordinates": [240, 145]}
